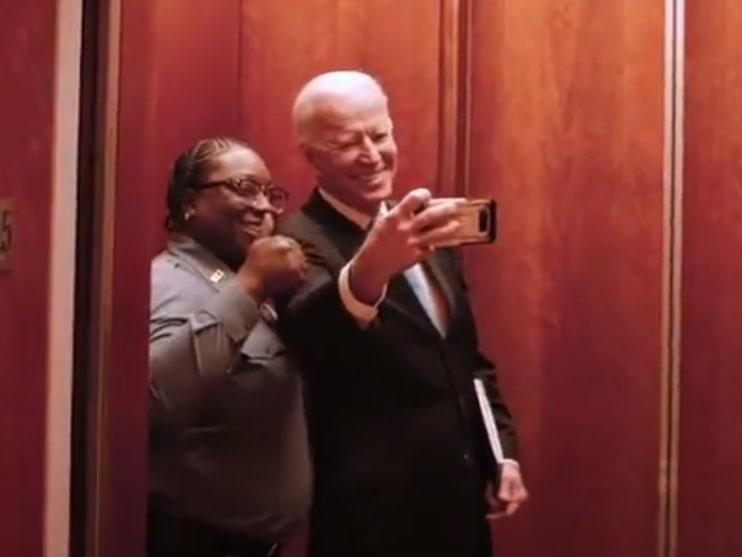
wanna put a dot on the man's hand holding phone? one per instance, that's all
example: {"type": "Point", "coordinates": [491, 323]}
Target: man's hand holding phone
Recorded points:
{"type": "Point", "coordinates": [410, 230]}
{"type": "Point", "coordinates": [399, 239]}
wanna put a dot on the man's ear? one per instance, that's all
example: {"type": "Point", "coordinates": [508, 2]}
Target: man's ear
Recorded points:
{"type": "Point", "coordinates": [307, 152]}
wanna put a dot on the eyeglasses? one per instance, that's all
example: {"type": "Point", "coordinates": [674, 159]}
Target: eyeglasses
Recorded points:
{"type": "Point", "coordinates": [250, 190]}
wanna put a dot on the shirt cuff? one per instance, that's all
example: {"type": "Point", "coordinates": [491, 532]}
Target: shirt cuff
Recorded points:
{"type": "Point", "coordinates": [511, 461]}
{"type": "Point", "coordinates": [363, 313]}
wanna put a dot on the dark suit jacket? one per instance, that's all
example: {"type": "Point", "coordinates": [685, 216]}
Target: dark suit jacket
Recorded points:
{"type": "Point", "coordinates": [400, 451]}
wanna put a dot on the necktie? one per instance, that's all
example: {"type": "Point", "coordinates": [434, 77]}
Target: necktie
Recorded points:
{"type": "Point", "coordinates": [429, 295]}
{"type": "Point", "coordinates": [425, 286]}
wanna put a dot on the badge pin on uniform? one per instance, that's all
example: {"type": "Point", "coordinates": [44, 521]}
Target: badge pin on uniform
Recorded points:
{"type": "Point", "coordinates": [216, 276]}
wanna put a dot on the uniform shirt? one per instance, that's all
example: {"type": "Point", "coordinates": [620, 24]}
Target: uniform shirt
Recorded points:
{"type": "Point", "coordinates": [228, 443]}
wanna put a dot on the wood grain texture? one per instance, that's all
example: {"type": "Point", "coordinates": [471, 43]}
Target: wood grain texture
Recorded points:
{"type": "Point", "coordinates": [287, 43]}
{"type": "Point", "coordinates": [180, 69]}
{"type": "Point", "coordinates": [711, 383]}
{"type": "Point", "coordinates": [27, 70]}
{"type": "Point", "coordinates": [567, 134]}
{"type": "Point", "coordinates": [178, 84]}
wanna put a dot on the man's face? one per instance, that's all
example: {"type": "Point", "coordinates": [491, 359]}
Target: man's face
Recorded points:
{"type": "Point", "coordinates": [226, 220]}
{"type": "Point", "coordinates": [353, 151]}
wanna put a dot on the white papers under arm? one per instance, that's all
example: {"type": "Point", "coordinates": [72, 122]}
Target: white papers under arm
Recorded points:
{"type": "Point", "coordinates": [489, 421]}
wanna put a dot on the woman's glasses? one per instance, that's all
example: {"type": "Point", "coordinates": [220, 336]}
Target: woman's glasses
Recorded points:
{"type": "Point", "coordinates": [251, 189]}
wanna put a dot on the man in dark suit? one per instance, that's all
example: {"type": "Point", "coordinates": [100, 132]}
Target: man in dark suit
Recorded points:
{"type": "Point", "coordinates": [385, 331]}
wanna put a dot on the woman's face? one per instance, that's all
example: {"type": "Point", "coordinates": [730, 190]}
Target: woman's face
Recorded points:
{"type": "Point", "coordinates": [226, 214]}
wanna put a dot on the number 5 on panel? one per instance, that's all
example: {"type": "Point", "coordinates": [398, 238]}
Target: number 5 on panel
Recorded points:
{"type": "Point", "coordinates": [6, 233]}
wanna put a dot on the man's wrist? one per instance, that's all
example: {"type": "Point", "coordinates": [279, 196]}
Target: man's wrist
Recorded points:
{"type": "Point", "coordinates": [366, 286]}
{"type": "Point", "coordinates": [363, 313]}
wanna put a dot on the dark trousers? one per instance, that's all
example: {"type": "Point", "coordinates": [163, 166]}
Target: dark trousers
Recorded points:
{"type": "Point", "coordinates": [170, 536]}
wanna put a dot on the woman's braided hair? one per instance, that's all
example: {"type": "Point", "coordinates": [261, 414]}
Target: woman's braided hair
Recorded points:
{"type": "Point", "coordinates": [189, 171]}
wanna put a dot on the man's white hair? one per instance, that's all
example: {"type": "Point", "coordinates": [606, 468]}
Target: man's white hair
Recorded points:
{"type": "Point", "coordinates": [323, 91]}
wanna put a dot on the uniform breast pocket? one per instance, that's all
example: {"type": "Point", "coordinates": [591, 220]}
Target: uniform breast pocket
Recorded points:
{"type": "Point", "coordinates": [263, 383]}
{"type": "Point", "coordinates": [261, 346]}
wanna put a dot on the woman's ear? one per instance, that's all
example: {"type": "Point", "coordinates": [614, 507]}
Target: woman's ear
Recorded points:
{"type": "Point", "coordinates": [189, 206]}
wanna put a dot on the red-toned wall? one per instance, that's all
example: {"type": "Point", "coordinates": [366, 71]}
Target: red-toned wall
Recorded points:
{"type": "Point", "coordinates": [567, 134]}
{"type": "Point", "coordinates": [27, 61]}
{"type": "Point", "coordinates": [178, 83]}
{"type": "Point", "coordinates": [710, 455]}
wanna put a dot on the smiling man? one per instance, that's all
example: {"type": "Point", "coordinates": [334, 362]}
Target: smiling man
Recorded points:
{"type": "Point", "coordinates": [346, 135]}
{"type": "Point", "coordinates": [386, 335]}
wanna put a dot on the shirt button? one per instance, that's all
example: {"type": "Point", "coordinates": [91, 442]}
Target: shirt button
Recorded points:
{"type": "Point", "coordinates": [467, 458]}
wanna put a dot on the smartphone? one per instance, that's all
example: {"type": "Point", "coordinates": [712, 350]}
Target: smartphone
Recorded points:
{"type": "Point", "coordinates": [478, 218]}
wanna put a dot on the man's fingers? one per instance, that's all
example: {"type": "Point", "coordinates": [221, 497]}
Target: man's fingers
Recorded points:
{"type": "Point", "coordinates": [508, 493]}
{"type": "Point", "coordinates": [502, 509]}
{"type": "Point", "coordinates": [432, 216]}
{"type": "Point", "coordinates": [412, 202]}
{"type": "Point", "coordinates": [437, 236]}
{"type": "Point", "coordinates": [521, 494]}
{"type": "Point", "coordinates": [512, 489]}
{"type": "Point", "coordinates": [511, 508]}
{"type": "Point", "coordinates": [505, 503]}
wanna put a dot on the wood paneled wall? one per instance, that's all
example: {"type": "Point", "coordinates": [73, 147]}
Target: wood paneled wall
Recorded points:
{"type": "Point", "coordinates": [27, 71]}
{"type": "Point", "coordinates": [567, 134]}
{"type": "Point", "coordinates": [710, 451]}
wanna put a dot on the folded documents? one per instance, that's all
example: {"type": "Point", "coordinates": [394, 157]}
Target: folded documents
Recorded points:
{"type": "Point", "coordinates": [489, 421]}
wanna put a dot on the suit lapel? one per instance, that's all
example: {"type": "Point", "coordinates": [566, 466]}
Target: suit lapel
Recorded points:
{"type": "Point", "coordinates": [436, 264]}
{"type": "Point", "coordinates": [343, 236]}
{"type": "Point", "coordinates": [401, 299]}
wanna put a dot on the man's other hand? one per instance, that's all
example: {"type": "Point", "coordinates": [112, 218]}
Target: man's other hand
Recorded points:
{"type": "Point", "coordinates": [511, 495]}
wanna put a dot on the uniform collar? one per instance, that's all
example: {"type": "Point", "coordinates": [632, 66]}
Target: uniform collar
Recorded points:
{"type": "Point", "coordinates": [208, 265]}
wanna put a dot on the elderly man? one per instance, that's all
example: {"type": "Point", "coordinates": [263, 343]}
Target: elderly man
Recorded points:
{"type": "Point", "coordinates": [388, 341]}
